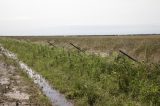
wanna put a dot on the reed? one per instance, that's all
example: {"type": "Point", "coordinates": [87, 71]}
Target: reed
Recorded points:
{"type": "Point", "coordinates": [91, 79]}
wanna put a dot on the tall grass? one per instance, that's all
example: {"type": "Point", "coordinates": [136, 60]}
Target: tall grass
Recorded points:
{"type": "Point", "coordinates": [90, 79]}
{"type": "Point", "coordinates": [144, 48]}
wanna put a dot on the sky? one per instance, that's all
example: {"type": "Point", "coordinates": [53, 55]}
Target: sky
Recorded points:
{"type": "Point", "coordinates": [69, 17]}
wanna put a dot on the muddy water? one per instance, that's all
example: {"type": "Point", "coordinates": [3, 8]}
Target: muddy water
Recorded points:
{"type": "Point", "coordinates": [55, 97]}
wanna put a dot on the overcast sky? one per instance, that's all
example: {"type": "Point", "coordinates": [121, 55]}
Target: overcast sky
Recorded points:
{"type": "Point", "coordinates": [23, 17]}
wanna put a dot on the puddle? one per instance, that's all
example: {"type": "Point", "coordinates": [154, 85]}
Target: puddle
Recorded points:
{"type": "Point", "coordinates": [55, 97]}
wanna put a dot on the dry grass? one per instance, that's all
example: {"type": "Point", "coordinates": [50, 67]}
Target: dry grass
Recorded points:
{"type": "Point", "coordinates": [144, 48]}
{"type": "Point", "coordinates": [90, 80]}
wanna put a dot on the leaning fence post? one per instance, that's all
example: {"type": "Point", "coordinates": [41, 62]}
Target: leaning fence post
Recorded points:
{"type": "Point", "coordinates": [128, 56]}
{"type": "Point", "coordinates": [78, 48]}
{"type": "Point", "coordinates": [51, 44]}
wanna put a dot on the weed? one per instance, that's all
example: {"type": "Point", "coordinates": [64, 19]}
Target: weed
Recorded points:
{"type": "Point", "coordinates": [91, 79]}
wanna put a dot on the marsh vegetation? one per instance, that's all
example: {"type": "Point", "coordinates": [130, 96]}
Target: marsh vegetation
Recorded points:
{"type": "Point", "coordinates": [90, 79]}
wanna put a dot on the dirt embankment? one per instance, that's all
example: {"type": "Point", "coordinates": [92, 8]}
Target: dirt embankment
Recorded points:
{"type": "Point", "coordinates": [16, 89]}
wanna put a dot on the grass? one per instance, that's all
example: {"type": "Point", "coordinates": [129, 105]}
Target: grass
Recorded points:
{"type": "Point", "coordinates": [144, 48]}
{"type": "Point", "coordinates": [89, 79]}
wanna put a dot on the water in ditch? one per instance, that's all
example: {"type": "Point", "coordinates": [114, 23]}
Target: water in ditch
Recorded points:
{"type": "Point", "coordinates": [55, 97]}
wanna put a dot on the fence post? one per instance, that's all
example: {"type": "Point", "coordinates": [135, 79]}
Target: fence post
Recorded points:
{"type": "Point", "coordinates": [51, 44]}
{"type": "Point", "coordinates": [78, 48]}
{"type": "Point", "coordinates": [128, 56]}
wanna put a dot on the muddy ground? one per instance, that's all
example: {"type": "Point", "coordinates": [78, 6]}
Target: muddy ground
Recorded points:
{"type": "Point", "coordinates": [16, 89]}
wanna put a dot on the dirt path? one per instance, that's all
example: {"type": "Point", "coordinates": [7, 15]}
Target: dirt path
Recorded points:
{"type": "Point", "coordinates": [16, 89]}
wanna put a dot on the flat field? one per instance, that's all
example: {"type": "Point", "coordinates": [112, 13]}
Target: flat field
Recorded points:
{"type": "Point", "coordinates": [95, 80]}
{"type": "Point", "coordinates": [142, 47]}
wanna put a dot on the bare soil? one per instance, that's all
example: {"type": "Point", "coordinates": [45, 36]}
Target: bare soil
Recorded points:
{"type": "Point", "coordinates": [17, 90]}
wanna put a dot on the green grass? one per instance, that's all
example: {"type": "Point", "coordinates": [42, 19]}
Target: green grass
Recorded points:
{"type": "Point", "coordinates": [89, 79]}
{"type": "Point", "coordinates": [144, 48]}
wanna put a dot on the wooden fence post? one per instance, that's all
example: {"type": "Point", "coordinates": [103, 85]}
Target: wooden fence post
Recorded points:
{"type": "Point", "coordinates": [128, 56]}
{"type": "Point", "coordinates": [78, 48]}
